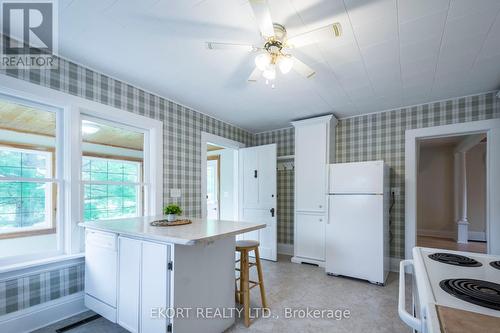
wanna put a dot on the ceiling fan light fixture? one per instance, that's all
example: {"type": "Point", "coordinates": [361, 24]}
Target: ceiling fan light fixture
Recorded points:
{"type": "Point", "coordinates": [285, 64]}
{"type": "Point", "coordinates": [262, 61]}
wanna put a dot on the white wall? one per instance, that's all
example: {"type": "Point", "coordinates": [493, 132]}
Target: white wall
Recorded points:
{"type": "Point", "coordinates": [476, 188]}
{"type": "Point", "coordinates": [227, 182]}
{"type": "Point", "coordinates": [435, 206]}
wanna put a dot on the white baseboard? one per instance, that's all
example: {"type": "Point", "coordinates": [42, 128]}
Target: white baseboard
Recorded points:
{"type": "Point", "coordinates": [437, 233]}
{"type": "Point", "coordinates": [285, 249]}
{"type": "Point", "coordinates": [44, 314]}
{"type": "Point", "coordinates": [473, 235]}
{"type": "Point", "coordinates": [477, 236]}
{"type": "Point", "coordinates": [300, 260]}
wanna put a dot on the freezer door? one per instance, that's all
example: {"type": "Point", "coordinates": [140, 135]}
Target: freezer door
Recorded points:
{"type": "Point", "coordinates": [355, 237]}
{"type": "Point", "coordinates": [360, 177]}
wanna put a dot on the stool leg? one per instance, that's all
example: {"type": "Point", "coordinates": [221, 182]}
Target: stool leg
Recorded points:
{"type": "Point", "coordinates": [240, 294]}
{"type": "Point", "coordinates": [261, 279]}
{"type": "Point", "coordinates": [245, 287]}
{"type": "Point", "coordinates": [236, 294]}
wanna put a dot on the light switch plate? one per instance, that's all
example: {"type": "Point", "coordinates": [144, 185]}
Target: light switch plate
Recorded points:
{"type": "Point", "coordinates": [175, 192]}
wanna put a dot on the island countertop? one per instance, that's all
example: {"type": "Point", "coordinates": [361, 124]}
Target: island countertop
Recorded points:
{"type": "Point", "coordinates": [200, 231]}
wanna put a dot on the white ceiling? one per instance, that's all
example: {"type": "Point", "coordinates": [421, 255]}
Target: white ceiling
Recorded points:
{"type": "Point", "coordinates": [392, 53]}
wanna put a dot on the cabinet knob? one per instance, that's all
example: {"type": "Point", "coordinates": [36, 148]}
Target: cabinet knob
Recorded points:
{"type": "Point", "coordinates": [320, 206]}
{"type": "Point", "coordinates": [321, 220]}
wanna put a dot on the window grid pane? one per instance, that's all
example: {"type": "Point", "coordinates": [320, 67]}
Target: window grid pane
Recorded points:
{"type": "Point", "coordinates": [110, 201]}
{"type": "Point", "coordinates": [23, 204]}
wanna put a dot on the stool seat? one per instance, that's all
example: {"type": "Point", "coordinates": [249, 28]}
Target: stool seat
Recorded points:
{"type": "Point", "coordinates": [246, 244]}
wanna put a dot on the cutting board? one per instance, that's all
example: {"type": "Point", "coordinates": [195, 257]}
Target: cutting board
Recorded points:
{"type": "Point", "coordinates": [460, 321]}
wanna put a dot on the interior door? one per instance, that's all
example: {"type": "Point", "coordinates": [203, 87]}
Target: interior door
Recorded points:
{"type": "Point", "coordinates": [213, 187]}
{"type": "Point", "coordinates": [258, 196]}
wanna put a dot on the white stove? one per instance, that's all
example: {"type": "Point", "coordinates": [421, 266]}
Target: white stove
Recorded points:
{"type": "Point", "coordinates": [459, 280]}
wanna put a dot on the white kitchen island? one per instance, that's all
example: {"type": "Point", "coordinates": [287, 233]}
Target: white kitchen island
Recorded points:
{"type": "Point", "coordinates": [162, 279]}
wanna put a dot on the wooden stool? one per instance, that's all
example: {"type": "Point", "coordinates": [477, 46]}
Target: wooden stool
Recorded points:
{"type": "Point", "coordinates": [244, 247]}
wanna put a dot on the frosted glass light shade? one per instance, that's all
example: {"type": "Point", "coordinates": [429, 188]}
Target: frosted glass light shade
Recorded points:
{"type": "Point", "coordinates": [285, 64]}
{"type": "Point", "coordinates": [269, 73]}
{"type": "Point", "coordinates": [262, 61]}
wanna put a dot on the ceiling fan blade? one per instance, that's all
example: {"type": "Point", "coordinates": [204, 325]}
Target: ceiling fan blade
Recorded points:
{"type": "Point", "coordinates": [315, 36]}
{"type": "Point", "coordinates": [230, 46]}
{"type": "Point", "coordinates": [255, 75]}
{"type": "Point", "coordinates": [302, 68]}
{"type": "Point", "coordinates": [263, 16]}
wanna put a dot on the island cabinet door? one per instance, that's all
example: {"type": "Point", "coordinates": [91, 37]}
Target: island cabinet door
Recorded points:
{"type": "Point", "coordinates": [143, 285]}
{"type": "Point", "coordinates": [129, 275]}
{"type": "Point", "coordinates": [155, 287]}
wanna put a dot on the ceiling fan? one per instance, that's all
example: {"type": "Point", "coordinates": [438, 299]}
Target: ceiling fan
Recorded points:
{"type": "Point", "coordinates": [274, 53]}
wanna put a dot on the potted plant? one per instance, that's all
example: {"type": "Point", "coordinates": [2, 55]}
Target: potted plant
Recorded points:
{"type": "Point", "coordinates": [172, 210]}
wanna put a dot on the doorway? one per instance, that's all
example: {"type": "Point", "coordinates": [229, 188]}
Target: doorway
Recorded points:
{"type": "Point", "coordinates": [222, 182]}
{"type": "Point", "coordinates": [219, 177]}
{"type": "Point", "coordinates": [451, 193]}
{"type": "Point", "coordinates": [413, 138]}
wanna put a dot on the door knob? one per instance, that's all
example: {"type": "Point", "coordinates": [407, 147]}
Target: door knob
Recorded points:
{"type": "Point", "coordinates": [272, 212]}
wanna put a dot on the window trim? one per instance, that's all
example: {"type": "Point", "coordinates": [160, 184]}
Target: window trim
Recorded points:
{"type": "Point", "coordinates": [70, 108]}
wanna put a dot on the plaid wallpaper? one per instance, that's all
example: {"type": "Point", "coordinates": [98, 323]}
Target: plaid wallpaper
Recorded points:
{"type": "Point", "coordinates": [284, 139]}
{"type": "Point", "coordinates": [382, 136]}
{"type": "Point", "coordinates": [22, 292]}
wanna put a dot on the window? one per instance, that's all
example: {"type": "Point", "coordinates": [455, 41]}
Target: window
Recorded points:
{"type": "Point", "coordinates": [29, 179]}
{"type": "Point", "coordinates": [110, 189]}
{"type": "Point", "coordinates": [26, 202]}
{"type": "Point", "coordinates": [119, 172]}
{"type": "Point", "coordinates": [112, 157]}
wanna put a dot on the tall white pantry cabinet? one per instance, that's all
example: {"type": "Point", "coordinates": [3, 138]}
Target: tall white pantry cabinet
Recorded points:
{"type": "Point", "coordinates": [314, 150]}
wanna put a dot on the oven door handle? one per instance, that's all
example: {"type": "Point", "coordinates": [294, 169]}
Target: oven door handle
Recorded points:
{"type": "Point", "coordinates": [405, 316]}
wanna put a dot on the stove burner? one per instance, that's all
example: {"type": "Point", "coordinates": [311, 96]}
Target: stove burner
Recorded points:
{"type": "Point", "coordinates": [479, 292]}
{"type": "Point", "coordinates": [455, 259]}
{"type": "Point", "coordinates": [495, 264]}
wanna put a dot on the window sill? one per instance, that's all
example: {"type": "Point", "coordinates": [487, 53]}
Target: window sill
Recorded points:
{"type": "Point", "coordinates": [34, 264]}
{"type": "Point", "coordinates": [27, 233]}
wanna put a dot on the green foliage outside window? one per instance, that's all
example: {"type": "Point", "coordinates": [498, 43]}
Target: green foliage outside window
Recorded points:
{"type": "Point", "coordinates": [108, 201]}
{"type": "Point", "coordinates": [23, 204]}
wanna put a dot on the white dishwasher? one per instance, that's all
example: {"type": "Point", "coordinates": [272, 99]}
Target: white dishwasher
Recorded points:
{"type": "Point", "coordinates": [101, 257]}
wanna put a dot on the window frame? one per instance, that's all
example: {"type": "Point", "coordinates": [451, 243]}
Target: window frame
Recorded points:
{"type": "Point", "coordinates": [70, 109]}
{"type": "Point", "coordinates": [57, 179]}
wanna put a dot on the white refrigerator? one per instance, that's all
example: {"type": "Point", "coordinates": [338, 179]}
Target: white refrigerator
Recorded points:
{"type": "Point", "coordinates": [357, 230]}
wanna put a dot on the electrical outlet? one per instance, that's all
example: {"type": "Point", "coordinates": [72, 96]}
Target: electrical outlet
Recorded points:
{"type": "Point", "coordinates": [395, 190]}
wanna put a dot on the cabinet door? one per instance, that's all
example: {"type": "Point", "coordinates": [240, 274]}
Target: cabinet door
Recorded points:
{"type": "Point", "coordinates": [129, 283]}
{"type": "Point", "coordinates": [310, 236]}
{"type": "Point", "coordinates": [310, 167]}
{"type": "Point", "coordinates": [155, 286]}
